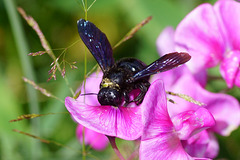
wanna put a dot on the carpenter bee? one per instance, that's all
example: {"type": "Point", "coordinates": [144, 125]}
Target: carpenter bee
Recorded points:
{"type": "Point", "coordinates": [127, 74]}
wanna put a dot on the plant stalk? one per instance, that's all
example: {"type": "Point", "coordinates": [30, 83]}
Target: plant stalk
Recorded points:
{"type": "Point", "coordinates": [26, 64]}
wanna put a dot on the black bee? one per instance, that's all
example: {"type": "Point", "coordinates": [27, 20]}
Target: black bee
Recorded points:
{"type": "Point", "coordinates": [127, 74]}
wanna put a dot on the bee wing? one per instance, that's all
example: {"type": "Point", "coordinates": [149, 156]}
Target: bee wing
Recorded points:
{"type": "Point", "coordinates": [164, 63]}
{"type": "Point", "coordinates": [97, 43]}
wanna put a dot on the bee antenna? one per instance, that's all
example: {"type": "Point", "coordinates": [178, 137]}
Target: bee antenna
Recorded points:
{"type": "Point", "coordinates": [88, 94]}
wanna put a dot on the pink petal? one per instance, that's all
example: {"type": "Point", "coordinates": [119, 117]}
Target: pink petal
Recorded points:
{"type": "Point", "coordinates": [230, 68]}
{"type": "Point", "coordinates": [192, 122]}
{"type": "Point", "coordinates": [96, 140]}
{"type": "Point", "coordinates": [172, 76]}
{"type": "Point", "coordinates": [159, 140]}
{"type": "Point", "coordinates": [200, 35]}
{"type": "Point", "coordinates": [182, 85]}
{"type": "Point", "coordinates": [165, 41]}
{"type": "Point", "coordinates": [92, 86]}
{"type": "Point", "coordinates": [197, 144]}
{"type": "Point", "coordinates": [213, 146]}
{"type": "Point", "coordinates": [228, 12]}
{"type": "Point", "coordinates": [218, 104]}
{"type": "Point", "coordinates": [156, 112]}
{"type": "Point", "coordinates": [166, 147]}
{"type": "Point", "coordinates": [203, 144]}
{"type": "Point", "coordinates": [201, 77]}
{"type": "Point", "coordinates": [221, 105]}
{"type": "Point", "coordinates": [122, 122]}
{"type": "Point", "coordinates": [79, 131]}
{"type": "Point", "coordinates": [165, 44]}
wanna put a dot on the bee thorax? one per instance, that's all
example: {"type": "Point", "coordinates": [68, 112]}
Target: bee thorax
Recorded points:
{"type": "Point", "coordinates": [107, 83]}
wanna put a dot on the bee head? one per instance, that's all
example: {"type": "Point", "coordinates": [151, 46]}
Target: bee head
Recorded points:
{"type": "Point", "coordinates": [109, 96]}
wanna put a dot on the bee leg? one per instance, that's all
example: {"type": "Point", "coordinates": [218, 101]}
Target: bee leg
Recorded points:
{"type": "Point", "coordinates": [126, 98]}
{"type": "Point", "coordinates": [143, 86]}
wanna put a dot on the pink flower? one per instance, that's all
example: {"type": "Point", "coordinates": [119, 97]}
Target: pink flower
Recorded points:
{"type": "Point", "coordinates": [162, 135]}
{"type": "Point", "coordinates": [181, 80]}
{"type": "Point", "coordinates": [96, 140]}
{"type": "Point", "coordinates": [211, 35]}
{"type": "Point", "coordinates": [165, 43]}
{"type": "Point", "coordinates": [122, 122]}
{"type": "Point", "coordinates": [218, 104]}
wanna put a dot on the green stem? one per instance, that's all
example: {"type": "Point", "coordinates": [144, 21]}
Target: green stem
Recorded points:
{"type": "Point", "coordinates": [23, 49]}
{"type": "Point", "coordinates": [84, 81]}
{"type": "Point", "coordinates": [51, 54]}
{"type": "Point", "coordinates": [115, 148]}
{"type": "Point", "coordinates": [32, 23]}
{"type": "Point", "coordinates": [83, 144]}
{"type": "Point", "coordinates": [86, 10]}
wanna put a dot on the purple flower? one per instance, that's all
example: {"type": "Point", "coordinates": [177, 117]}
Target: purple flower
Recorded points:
{"type": "Point", "coordinates": [211, 35]}
{"type": "Point", "coordinates": [122, 122]}
{"type": "Point", "coordinates": [96, 140]}
{"type": "Point", "coordinates": [181, 80]}
{"type": "Point", "coordinates": [162, 135]}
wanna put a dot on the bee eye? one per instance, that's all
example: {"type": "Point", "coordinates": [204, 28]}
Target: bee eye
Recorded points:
{"type": "Point", "coordinates": [109, 96]}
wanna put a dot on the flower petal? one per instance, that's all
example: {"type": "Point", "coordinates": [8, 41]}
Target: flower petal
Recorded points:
{"type": "Point", "coordinates": [221, 105]}
{"type": "Point", "coordinates": [96, 140]}
{"type": "Point", "coordinates": [164, 147]}
{"type": "Point", "coordinates": [218, 104]}
{"type": "Point", "coordinates": [165, 41]}
{"type": "Point", "coordinates": [182, 86]}
{"type": "Point", "coordinates": [192, 122]}
{"type": "Point", "coordinates": [172, 76]}
{"type": "Point", "coordinates": [156, 113]}
{"type": "Point", "coordinates": [213, 146]}
{"type": "Point", "coordinates": [229, 13]}
{"type": "Point", "coordinates": [203, 144]}
{"type": "Point", "coordinates": [92, 86]}
{"type": "Point", "coordinates": [200, 35]}
{"type": "Point", "coordinates": [159, 140]}
{"type": "Point", "coordinates": [230, 67]}
{"type": "Point", "coordinates": [122, 122]}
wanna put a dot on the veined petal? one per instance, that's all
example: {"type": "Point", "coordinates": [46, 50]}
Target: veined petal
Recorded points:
{"type": "Point", "coordinates": [165, 41]}
{"type": "Point", "coordinates": [96, 140]}
{"type": "Point", "coordinates": [228, 12]}
{"type": "Point", "coordinates": [199, 34]}
{"type": "Point", "coordinates": [155, 114]}
{"type": "Point", "coordinates": [164, 147]}
{"type": "Point", "coordinates": [230, 67]}
{"type": "Point", "coordinates": [122, 122]}
{"type": "Point", "coordinates": [159, 139]}
{"type": "Point", "coordinates": [192, 122]}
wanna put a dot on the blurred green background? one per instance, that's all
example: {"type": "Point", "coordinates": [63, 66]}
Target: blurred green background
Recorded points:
{"type": "Point", "coordinates": [57, 19]}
